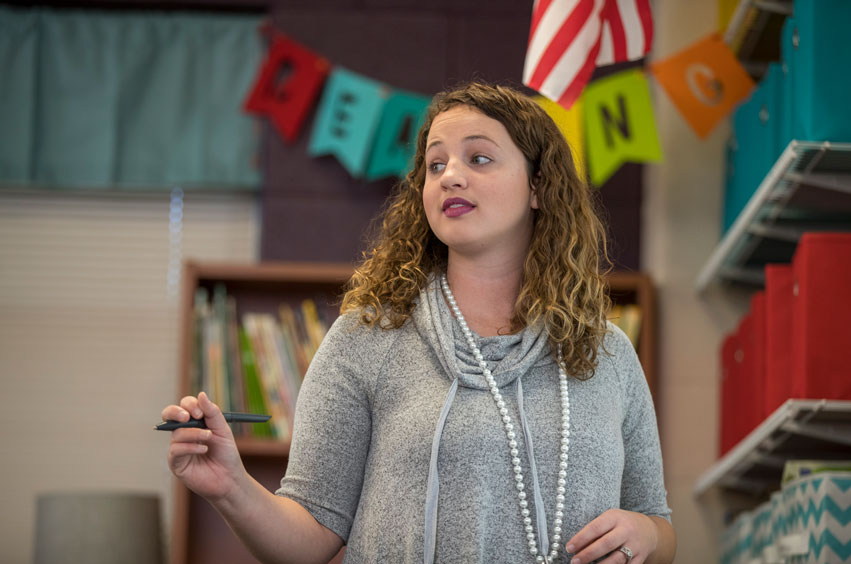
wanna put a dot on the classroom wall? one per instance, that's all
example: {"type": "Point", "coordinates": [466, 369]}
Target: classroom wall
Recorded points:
{"type": "Point", "coordinates": [89, 340]}
{"type": "Point", "coordinates": [680, 229]}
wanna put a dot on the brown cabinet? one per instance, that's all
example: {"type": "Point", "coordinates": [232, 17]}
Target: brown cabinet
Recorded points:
{"type": "Point", "coordinates": [199, 535]}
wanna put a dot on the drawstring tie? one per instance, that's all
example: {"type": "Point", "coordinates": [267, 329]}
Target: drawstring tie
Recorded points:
{"type": "Point", "coordinates": [433, 484]}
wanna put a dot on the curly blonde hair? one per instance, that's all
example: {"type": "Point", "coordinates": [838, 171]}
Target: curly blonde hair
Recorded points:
{"type": "Point", "coordinates": [563, 281]}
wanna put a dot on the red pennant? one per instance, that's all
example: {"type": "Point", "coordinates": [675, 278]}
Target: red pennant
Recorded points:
{"type": "Point", "coordinates": [288, 83]}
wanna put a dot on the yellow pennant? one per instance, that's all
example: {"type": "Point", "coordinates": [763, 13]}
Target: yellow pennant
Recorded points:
{"type": "Point", "coordinates": [570, 124]}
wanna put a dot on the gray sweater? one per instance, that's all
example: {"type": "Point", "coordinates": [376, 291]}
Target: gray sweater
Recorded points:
{"type": "Point", "coordinates": [367, 418]}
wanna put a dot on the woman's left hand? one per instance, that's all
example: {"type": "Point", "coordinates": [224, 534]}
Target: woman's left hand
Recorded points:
{"type": "Point", "coordinates": [612, 530]}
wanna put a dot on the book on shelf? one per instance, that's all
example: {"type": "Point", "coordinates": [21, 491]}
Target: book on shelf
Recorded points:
{"type": "Point", "coordinates": [628, 318]}
{"type": "Point", "coordinates": [270, 377]}
{"type": "Point", "coordinates": [254, 397]}
{"type": "Point", "coordinates": [255, 362]}
{"type": "Point", "coordinates": [216, 348]}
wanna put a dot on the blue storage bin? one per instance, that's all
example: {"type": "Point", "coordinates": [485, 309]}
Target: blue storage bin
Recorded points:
{"type": "Point", "coordinates": [821, 70]}
{"type": "Point", "coordinates": [753, 154]}
{"type": "Point", "coordinates": [774, 87]}
{"type": "Point", "coordinates": [785, 119]}
{"type": "Point", "coordinates": [731, 184]}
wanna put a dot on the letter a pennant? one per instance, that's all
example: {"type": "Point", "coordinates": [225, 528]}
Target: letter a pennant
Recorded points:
{"type": "Point", "coordinates": [619, 124]}
{"type": "Point", "coordinates": [396, 138]}
{"type": "Point", "coordinates": [705, 81]}
{"type": "Point", "coordinates": [287, 85]}
{"type": "Point", "coordinates": [348, 116]}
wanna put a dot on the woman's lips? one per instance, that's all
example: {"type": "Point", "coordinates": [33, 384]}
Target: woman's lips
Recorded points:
{"type": "Point", "coordinates": [453, 207]}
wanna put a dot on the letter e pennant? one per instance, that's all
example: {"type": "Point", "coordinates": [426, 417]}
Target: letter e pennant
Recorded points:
{"type": "Point", "coordinates": [347, 118]}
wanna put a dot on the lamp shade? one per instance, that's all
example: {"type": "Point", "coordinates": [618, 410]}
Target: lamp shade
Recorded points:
{"type": "Point", "coordinates": [98, 528]}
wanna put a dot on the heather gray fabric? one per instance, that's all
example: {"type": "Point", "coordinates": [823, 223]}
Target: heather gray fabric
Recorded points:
{"type": "Point", "coordinates": [365, 427]}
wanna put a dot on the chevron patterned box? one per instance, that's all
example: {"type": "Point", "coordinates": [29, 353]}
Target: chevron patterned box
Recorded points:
{"type": "Point", "coordinates": [737, 540]}
{"type": "Point", "coordinates": [818, 519]}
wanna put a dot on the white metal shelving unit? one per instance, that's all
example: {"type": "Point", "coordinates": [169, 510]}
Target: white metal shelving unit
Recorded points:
{"type": "Point", "coordinates": [807, 189]}
{"type": "Point", "coordinates": [798, 429]}
{"type": "Point", "coordinates": [754, 31]}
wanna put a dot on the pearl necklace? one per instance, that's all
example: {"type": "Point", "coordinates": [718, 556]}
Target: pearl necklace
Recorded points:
{"type": "Point", "coordinates": [512, 443]}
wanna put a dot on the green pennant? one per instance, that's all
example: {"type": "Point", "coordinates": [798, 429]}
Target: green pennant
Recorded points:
{"type": "Point", "coordinates": [619, 124]}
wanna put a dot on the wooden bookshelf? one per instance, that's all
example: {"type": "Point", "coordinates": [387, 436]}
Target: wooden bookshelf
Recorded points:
{"type": "Point", "coordinates": [637, 288]}
{"type": "Point", "coordinates": [199, 535]}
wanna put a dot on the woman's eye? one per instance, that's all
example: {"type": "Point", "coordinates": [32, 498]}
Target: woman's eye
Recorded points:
{"type": "Point", "coordinates": [436, 167]}
{"type": "Point", "coordinates": [480, 159]}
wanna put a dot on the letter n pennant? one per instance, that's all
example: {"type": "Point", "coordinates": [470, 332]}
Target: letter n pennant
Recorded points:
{"type": "Point", "coordinates": [396, 138]}
{"type": "Point", "coordinates": [287, 85]}
{"type": "Point", "coordinates": [619, 124]}
{"type": "Point", "coordinates": [347, 118]}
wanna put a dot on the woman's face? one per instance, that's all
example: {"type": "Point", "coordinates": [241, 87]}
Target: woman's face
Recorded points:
{"type": "Point", "coordinates": [477, 194]}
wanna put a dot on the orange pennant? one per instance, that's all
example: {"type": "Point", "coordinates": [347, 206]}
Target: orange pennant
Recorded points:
{"type": "Point", "coordinates": [705, 81]}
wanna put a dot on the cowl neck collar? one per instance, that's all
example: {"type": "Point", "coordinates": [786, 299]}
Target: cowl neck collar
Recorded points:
{"type": "Point", "coordinates": [508, 356]}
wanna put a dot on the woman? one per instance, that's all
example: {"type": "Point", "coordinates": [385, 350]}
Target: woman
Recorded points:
{"type": "Point", "coordinates": [471, 404]}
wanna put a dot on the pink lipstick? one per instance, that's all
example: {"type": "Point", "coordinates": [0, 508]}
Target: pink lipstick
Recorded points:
{"type": "Point", "coordinates": [453, 207]}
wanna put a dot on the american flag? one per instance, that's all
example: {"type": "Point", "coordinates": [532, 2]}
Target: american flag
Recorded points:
{"type": "Point", "coordinates": [568, 38]}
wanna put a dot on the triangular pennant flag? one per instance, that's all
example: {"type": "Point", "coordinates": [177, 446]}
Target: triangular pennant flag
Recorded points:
{"type": "Point", "coordinates": [704, 81]}
{"type": "Point", "coordinates": [347, 118]}
{"type": "Point", "coordinates": [619, 124]}
{"type": "Point", "coordinates": [396, 137]}
{"type": "Point", "coordinates": [569, 123]}
{"type": "Point", "coordinates": [287, 85]}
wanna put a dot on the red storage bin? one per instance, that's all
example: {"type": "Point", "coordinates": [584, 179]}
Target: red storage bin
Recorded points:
{"type": "Point", "coordinates": [731, 357]}
{"type": "Point", "coordinates": [752, 337]}
{"type": "Point", "coordinates": [822, 316]}
{"type": "Point", "coordinates": [779, 384]}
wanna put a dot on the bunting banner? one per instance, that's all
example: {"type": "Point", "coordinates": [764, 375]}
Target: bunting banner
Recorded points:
{"type": "Point", "coordinates": [705, 82]}
{"type": "Point", "coordinates": [619, 124]}
{"type": "Point", "coordinates": [395, 139]}
{"type": "Point", "coordinates": [569, 38]}
{"type": "Point", "coordinates": [569, 123]}
{"type": "Point", "coordinates": [347, 119]}
{"type": "Point", "coordinates": [287, 85]}
{"type": "Point", "coordinates": [371, 127]}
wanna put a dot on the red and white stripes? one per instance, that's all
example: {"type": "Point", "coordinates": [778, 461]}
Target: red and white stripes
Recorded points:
{"type": "Point", "coordinates": [569, 38]}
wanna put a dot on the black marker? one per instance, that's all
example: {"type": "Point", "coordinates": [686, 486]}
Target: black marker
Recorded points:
{"type": "Point", "coordinates": [171, 425]}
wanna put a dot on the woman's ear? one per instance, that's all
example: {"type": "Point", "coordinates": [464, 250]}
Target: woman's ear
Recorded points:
{"type": "Point", "coordinates": [534, 182]}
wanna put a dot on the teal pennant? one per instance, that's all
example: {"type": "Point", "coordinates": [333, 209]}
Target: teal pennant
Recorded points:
{"type": "Point", "coordinates": [348, 116]}
{"type": "Point", "coordinates": [396, 138]}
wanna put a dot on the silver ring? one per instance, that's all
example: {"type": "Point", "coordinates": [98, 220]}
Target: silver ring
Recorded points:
{"type": "Point", "coordinates": [627, 552]}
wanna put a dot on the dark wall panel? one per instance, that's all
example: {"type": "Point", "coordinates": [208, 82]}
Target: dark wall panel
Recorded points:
{"type": "Point", "coordinates": [312, 208]}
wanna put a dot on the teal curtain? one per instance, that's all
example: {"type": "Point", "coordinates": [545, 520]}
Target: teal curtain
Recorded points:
{"type": "Point", "coordinates": [127, 100]}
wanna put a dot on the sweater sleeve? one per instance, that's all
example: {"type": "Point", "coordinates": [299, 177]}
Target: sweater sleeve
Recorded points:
{"type": "Point", "coordinates": [643, 482]}
{"type": "Point", "coordinates": [333, 424]}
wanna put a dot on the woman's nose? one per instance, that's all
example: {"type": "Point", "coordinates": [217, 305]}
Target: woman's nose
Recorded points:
{"type": "Point", "coordinates": [453, 176]}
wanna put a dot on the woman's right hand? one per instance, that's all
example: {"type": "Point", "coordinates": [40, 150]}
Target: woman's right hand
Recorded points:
{"type": "Point", "coordinates": [205, 460]}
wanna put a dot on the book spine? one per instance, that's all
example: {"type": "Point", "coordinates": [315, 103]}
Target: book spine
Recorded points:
{"type": "Point", "coordinates": [254, 396]}
{"type": "Point", "coordinates": [263, 356]}
{"type": "Point", "coordinates": [219, 363]}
